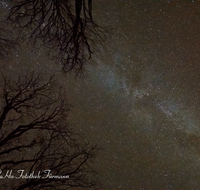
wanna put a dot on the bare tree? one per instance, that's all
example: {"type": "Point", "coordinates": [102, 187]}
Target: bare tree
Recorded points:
{"type": "Point", "coordinates": [66, 27]}
{"type": "Point", "coordinates": [37, 147]}
{"type": "Point", "coordinates": [6, 43]}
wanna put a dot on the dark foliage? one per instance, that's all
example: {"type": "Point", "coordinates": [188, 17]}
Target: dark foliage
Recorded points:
{"type": "Point", "coordinates": [66, 27]}
{"type": "Point", "coordinates": [35, 137]}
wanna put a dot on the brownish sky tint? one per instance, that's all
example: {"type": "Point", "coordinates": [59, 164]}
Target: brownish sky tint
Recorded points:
{"type": "Point", "coordinates": [140, 100]}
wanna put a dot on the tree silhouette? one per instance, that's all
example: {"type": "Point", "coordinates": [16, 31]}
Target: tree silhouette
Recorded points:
{"type": "Point", "coordinates": [35, 137]}
{"type": "Point", "coordinates": [66, 27]}
{"type": "Point", "coordinates": [6, 44]}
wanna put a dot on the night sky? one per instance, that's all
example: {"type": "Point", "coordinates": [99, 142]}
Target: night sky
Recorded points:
{"type": "Point", "coordinates": [140, 97]}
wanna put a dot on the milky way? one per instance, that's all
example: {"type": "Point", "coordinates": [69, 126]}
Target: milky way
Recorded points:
{"type": "Point", "coordinates": [140, 100]}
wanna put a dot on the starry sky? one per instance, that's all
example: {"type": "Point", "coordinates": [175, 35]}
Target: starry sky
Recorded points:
{"type": "Point", "coordinates": [139, 99]}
